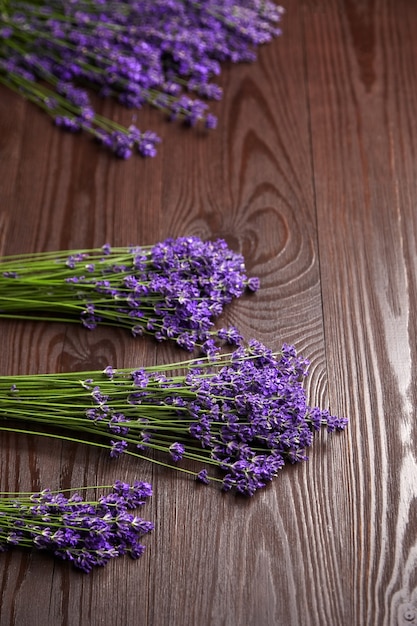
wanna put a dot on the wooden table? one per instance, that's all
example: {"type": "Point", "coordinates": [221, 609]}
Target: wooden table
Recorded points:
{"type": "Point", "coordinates": [312, 175]}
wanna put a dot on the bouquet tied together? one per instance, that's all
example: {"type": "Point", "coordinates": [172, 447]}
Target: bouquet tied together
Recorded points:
{"type": "Point", "coordinates": [242, 415]}
{"type": "Point", "coordinates": [172, 290]}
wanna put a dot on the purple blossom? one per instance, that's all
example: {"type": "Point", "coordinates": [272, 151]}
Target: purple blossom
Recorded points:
{"type": "Point", "coordinates": [145, 442]}
{"type": "Point", "coordinates": [98, 397]}
{"type": "Point", "coordinates": [211, 121]}
{"type": "Point", "coordinates": [230, 335]}
{"type": "Point", "coordinates": [109, 371]}
{"type": "Point", "coordinates": [245, 414]}
{"type": "Point", "coordinates": [202, 477]}
{"type": "Point", "coordinates": [117, 448]}
{"type": "Point", "coordinates": [68, 123]}
{"type": "Point", "coordinates": [165, 54]}
{"type": "Point", "coordinates": [176, 451]}
{"type": "Point", "coordinates": [173, 290]}
{"type": "Point", "coordinates": [118, 424]}
{"type": "Point", "coordinates": [87, 534]}
{"type": "Point", "coordinates": [253, 283]}
{"type": "Point", "coordinates": [6, 32]}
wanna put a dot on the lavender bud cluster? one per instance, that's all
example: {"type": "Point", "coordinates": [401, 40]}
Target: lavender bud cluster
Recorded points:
{"type": "Point", "coordinates": [253, 416]}
{"type": "Point", "coordinates": [85, 533]}
{"type": "Point", "coordinates": [159, 52]}
{"type": "Point", "coordinates": [172, 290]}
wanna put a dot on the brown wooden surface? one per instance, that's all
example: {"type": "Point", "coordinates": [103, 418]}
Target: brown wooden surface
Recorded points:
{"type": "Point", "coordinates": [312, 175]}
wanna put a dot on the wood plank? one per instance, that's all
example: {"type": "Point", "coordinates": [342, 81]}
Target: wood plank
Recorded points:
{"type": "Point", "coordinates": [362, 94]}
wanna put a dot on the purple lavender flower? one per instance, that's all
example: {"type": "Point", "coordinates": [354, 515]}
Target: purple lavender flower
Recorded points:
{"type": "Point", "coordinates": [244, 414]}
{"type": "Point", "coordinates": [87, 534]}
{"type": "Point", "coordinates": [230, 335]}
{"type": "Point", "coordinates": [117, 448]}
{"type": "Point", "coordinates": [176, 451]}
{"type": "Point", "coordinates": [202, 477]}
{"type": "Point", "coordinates": [173, 290]}
{"type": "Point", "coordinates": [253, 283]}
{"type": "Point", "coordinates": [165, 54]}
{"type": "Point", "coordinates": [211, 121]}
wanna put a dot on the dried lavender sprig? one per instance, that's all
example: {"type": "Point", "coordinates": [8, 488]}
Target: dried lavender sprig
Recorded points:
{"type": "Point", "coordinates": [172, 290]}
{"type": "Point", "coordinates": [87, 533]}
{"type": "Point", "coordinates": [243, 413]}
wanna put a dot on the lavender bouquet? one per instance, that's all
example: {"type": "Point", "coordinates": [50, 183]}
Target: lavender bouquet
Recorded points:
{"type": "Point", "coordinates": [164, 53]}
{"type": "Point", "coordinates": [87, 533]}
{"type": "Point", "coordinates": [172, 290]}
{"type": "Point", "coordinates": [242, 415]}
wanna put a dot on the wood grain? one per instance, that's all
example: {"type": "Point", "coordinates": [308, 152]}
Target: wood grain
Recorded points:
{"type": "Point", "coordinates": [312, 175]}
{"type": "Point", "coordinates": [364, 138]}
